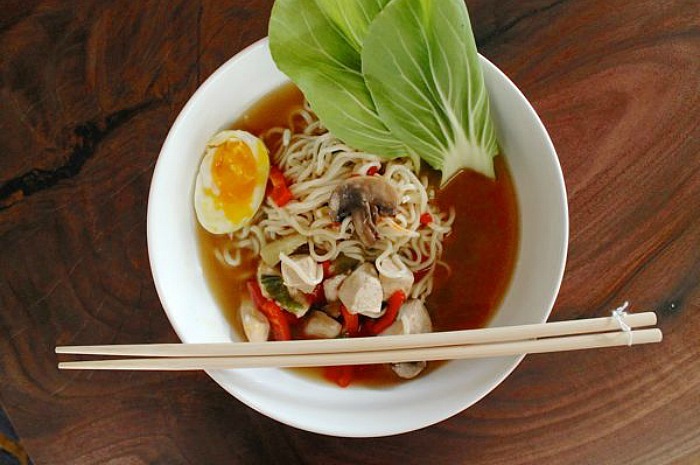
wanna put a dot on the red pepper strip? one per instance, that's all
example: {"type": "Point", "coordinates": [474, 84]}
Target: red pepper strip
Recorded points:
{"type": "Point", "coordinates": [340, 375]}
{"type": "Point", "coordinates": [351, 321]}
{"type": "Point", "coordinates": [426, 218]}
{"type": "Point", "coordinates": [280, 193]}
{"type": "Point", "coordinates": [274, 313]}
{"type": "Point", "coordinates": [291, 318]}
{"type": "Point", "coordinates": [317, 296]}
{"type": "Point", "coordinates": [326, 269]}
{"type": "Point", "coordinates": [372, 170]}
{"type": "Point", "coordinates": [392, 310]}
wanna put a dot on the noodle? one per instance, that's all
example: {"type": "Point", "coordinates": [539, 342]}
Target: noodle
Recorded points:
{"type": "Point", "coordinates": [314, 162]}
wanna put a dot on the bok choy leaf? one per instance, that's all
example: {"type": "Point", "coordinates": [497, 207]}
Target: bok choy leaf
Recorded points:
{"type": "Point", "coordinates": [420, 63]}
{"type": "Point", "coordinates": [352, 17]}
{"type": "Point", "coordinates": [392, 77]}
{"type": "Point", "coordinates": [317, 43]}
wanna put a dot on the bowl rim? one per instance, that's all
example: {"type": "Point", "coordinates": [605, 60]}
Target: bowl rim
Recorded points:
{"type": "Point", "coordinates": [219, 375]}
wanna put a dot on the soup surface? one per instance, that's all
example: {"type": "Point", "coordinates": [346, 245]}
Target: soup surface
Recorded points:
{"type": "Point", "coordinates": [481, 250]}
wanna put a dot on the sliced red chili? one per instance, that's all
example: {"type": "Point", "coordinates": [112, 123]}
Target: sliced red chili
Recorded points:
{"type": "Point", "coordinates": [279, 191]}
{"type": "Point", "coordinates": [317, 296]}
{"type": "Point", "coordinates": [340, 375]}
{"type": "Point", "coordinates": [393, 305]}
{"type": "Point", "coordinates": [426, 218]}
{"type": "Point", "coordinates": [372, 170]}
{"type": "Point", "coordinates": [326, 269]}
{"type": "Point", "coordinates": [291, 318]}
{"type": "Point", "coordinates": [351, 321]}
{"type": "Point", "coordinates": [279, 324]}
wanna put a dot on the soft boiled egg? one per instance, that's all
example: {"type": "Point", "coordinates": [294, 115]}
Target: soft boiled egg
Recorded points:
{"type": "Point", "coordinates": [231, 182]}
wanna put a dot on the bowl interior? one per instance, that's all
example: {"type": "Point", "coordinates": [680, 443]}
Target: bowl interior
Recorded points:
{"type": "Point", "coordinates": [302, 402]}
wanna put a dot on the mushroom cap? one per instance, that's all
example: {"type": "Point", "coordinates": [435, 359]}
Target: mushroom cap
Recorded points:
{"type": "Point", "coordinates": [364, 198]}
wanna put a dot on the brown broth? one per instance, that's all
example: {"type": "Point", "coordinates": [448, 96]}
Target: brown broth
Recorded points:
{"type": "Point", "coordinates": [273, 110]}
{"type": "Point", "coordinates": [481, 251]}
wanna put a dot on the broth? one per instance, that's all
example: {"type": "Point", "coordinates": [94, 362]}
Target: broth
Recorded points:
{"type": "Point", "coordinates": [481, 251]}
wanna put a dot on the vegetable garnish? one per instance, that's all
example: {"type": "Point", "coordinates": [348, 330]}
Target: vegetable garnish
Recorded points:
{"type": "Point", "coordinates": [316, 297]}
{"type": "Point", "coordinates": [279, 190]}
{"type": "Point", "coordinates": [393, 305]}
{"type": "Point", "coordinates": [351, 321]}
{"type": "Point", "coordinates": [270, 252]}
{"type": "Point", "coordinates": [317, 43]}
{"type": "Point", "coordinates": [275, 315]}
{"type": "Point", "coordinates": [278, 293]}
{"type": "Point", "coordinates": [391, 77]}
{"type": "Point", "coordinates": [340, 375]}
{"type": "Point", "coordinates": [326, 269]}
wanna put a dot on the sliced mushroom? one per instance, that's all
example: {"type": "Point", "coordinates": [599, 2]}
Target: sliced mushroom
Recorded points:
{"type": "Point", "coordinates": [364, 198]}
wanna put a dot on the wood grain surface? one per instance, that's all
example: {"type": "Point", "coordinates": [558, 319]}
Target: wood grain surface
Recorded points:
{"type": "Point", "coordinates": [88, 90]}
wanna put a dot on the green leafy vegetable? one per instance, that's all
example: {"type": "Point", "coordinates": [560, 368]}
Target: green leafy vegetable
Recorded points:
{"type": "Point", "coordinates": [393, 77]}
{"type": "Point", "coordinates": [322, 57]}
{"type": "Point", "coordinates": [343, 264]}
{"type": "Point", "coordinates": [352, 17]}
{"type": "Point", "coordinates": [273, 286]}
{"type": "Point", "coordinates": [270, 252]}
{"type": "Point", "coordinates": [422, 68]}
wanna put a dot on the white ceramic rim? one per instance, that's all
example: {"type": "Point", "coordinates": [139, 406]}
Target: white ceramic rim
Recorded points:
{"type": "Point", "coordinates": [252, 392]}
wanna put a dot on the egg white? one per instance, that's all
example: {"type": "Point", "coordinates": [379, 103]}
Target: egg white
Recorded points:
{"type": "Point", "coordinates": [212, 218]}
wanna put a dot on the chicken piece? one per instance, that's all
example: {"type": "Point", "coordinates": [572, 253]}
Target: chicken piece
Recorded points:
{"type": "Point", "coordinates": [301, 272]}
{"type": "Point", "coordinates": [361, 292]}
{"type": "Point", "coordinates": [321, 326]}
{"type": "Point", "coordinates": [394, 276]}
{"type": "Point", "coordinates": [332, 285]}
{"type": "Point", "coordinates": [413, 318]}
{"type": "Point", "coordinates": [408, 370]}
{"type": "Point", "coordinates": [255, 324]}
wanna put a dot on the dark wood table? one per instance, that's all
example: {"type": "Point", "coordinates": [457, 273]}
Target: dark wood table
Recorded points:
{"type": "Point", "coordinates": [88, 92]}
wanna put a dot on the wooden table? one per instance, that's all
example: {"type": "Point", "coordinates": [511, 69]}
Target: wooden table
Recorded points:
{"type": "Point", "coordinates": [88, 92]}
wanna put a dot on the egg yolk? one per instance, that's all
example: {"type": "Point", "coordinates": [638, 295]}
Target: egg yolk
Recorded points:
{"type": "Point", "coordinates": [234, 171]}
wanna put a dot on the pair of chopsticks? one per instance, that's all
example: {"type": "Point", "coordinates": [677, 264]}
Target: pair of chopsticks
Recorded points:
{"type": "Point", "coordinates": [477, 343]}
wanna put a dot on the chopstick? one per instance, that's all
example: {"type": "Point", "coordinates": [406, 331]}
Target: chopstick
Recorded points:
{"type": "Point", "coordinates": [557, 344]}
{"type": "Point", "coordinates": [488, 342]}
{"type": "Point", "coordinates": [449, 338]}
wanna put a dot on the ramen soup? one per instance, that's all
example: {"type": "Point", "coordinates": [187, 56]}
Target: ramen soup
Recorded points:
{"type": "Point", "coordinates": [303, 237]}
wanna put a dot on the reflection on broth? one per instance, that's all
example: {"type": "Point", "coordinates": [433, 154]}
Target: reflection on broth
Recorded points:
{"type": "Point", "coordinates": [433, 269]}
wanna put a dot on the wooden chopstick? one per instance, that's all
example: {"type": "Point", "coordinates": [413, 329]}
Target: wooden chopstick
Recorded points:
{"type": "Point", "coordinates": [328, 346]}
{"type": "Point", "coordinates": [488, 342]}
{"type": "Point", "coordinates": [555, 344]}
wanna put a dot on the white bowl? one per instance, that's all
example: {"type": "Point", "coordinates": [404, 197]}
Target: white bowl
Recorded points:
{"type": "Point", "coordinates": [312, 405]}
